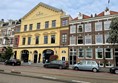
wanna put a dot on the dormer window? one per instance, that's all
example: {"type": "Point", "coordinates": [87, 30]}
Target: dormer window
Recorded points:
{"type": "Point", "coordinates": [80, 28]}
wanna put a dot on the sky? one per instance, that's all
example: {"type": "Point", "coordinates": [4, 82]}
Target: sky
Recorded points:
{"type": "Point", "coordinates": [16, 9]}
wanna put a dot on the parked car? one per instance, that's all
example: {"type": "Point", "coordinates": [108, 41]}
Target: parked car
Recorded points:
{"type": "Point", "coordinates": [114, 70]}
{"type": "Point", "coordinates": [57, 64]}
{"type": "Point", "coordinates": [13, 62]}
{"type": "Point", "coordinates": [87, 65]}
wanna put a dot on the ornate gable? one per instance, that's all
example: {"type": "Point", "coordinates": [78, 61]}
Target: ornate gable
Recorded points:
{"type": "Point", "coordinates": [41, 10]}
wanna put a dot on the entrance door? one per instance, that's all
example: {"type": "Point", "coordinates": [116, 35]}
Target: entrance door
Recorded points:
{"type": "Point", "coordinates": [72, 60]}
{"type": "Point", "coordinates": [39, 58]}
{"type": "Point", "coordinates": [46, 55]}
{"type": "Point", "coordinates": [116, 61]}
{"type": "Point", "coordinates": [25, 55]}
{"type": "Point", "coordinates": [35, 56]}
{"type": "Point", "coordinates": [63, 58]}
{"type": "Point", "coordinates": [116, 56]}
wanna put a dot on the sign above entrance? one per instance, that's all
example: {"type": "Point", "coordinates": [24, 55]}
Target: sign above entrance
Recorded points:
{"type": "Point", "coordinates": [49, 52]}
{"type": "Point", "coordinates": [39, 13]}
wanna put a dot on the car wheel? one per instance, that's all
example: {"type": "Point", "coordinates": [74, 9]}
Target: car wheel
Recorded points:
{"type": "Point", "coordinates": [13, 64]}
{"type": "Point", "coordinates": [76, 68]}
{"type": "Point", "coordinates": [5, 63]}
{"type": "Point", "coordinates": [94, 70]}
{"type": "Point", "coordinates": [60, 67]}
{"type": "Point", "coordinates": [45, 66]}
{"type": "Point", "coordinates": [116, 71]}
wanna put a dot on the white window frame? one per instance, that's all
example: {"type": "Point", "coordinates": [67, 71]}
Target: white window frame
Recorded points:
{"type": "Point", "coordinates": [98, 38]}
{"type": "Point", "coordinates": [98, 26]}
{"type": "Point", "coordinates": [88, 37]}
{"type": "Point", "coordinates": [73, 29]}
{"type": "Point", "coordinates": [111, 52]}
{"type": "Point", "coordinates": [90, 51]}
{"type": "Point", "coordinates": [97, 50]}
{"type": "Point", "coordinates": [79, 27]}
{"type": "Point", "coordinates": [88, 27]}
{"type": "Point", "coordinates": [107, 25]}
{"type": "Point", "coordinates": [106, 37]}
{"type": "Point", "coordinates": [83, 53]}
{"type": "Point", "coordinates": [80, 38]}
{"type": "Point", "coordinates": [72, 40]}
{"type": "Point", "coordinates": [109, 64]}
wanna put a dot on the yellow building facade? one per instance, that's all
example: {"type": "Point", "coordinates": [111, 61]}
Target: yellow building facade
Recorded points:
{"type": "Point", "coordinates": [40, 35]}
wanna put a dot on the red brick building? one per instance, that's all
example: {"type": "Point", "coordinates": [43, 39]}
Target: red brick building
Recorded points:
{"type": "Point", "coordinates": [88, 35]}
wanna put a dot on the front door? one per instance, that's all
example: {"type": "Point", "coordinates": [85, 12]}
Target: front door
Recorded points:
{"type": "Point", "coordinates": [35, 58]}
{"type": "Point", "coordinates": [72, 60]}
{"type": "Point", "coordinates": [116, 61]}
{"type": "Point", "coordinates": [116, 56]}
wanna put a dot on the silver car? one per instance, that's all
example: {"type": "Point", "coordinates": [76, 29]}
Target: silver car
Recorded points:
{"type": "Point", "coordinates": [87, 65]}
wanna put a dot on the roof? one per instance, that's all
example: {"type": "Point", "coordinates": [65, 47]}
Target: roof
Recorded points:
{"type": "Point", "coordinates": [111, 13]}
{"type": "Point", "coordinates": [84, 17]}
{"type": "Point", "coordinates": [44, 5]}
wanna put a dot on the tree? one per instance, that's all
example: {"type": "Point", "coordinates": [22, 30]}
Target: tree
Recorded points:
{"type": "Point", "coordinates": [113, 34]}
{"type": "Point", "coordinates": [8, 53]}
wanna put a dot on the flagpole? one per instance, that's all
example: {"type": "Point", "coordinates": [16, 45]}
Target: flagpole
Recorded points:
{"type": "Point", "coordinates": [108, 3]}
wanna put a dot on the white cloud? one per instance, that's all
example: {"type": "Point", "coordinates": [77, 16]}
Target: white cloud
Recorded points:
{"type": "Point", "coordinates": [15, 9]}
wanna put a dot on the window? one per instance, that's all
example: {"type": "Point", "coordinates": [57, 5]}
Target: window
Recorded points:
{"type": "Point", "coordinates": [88, 27]}
{"type": "Point", "coordinates": [45, 39]}
{"type": "Point", "coordinates": [106, 37]}
{"type": "Point", "coordinates": [99, 53]}
{"type": "Point", "coordinates": [107, 25]}
{"type": "Point", "coordinates": [72, 40]}
{"type": "Point", "coordinates": [52, 39]}
{"type": "Point", "coordinates": [17, 29]}
{"type": "Point", "coordinates": [108, 53]}
{"type": "Point", "coordinates": [88, 39]}
{"type": "Point", "coordinates": [23, 41]}
{"type": "Point", "coordinates": [38, 25]}
{"type": "Point", "coordinates": [29, 40]}
{"type": "Point", "coordinates": [37, 40]}
{"type": "Point", "coordinates": [63, 51]}
{"type": "Point", "coordinates": [89, 53]}
{"type": "Point", "coordinates": [11, 40]}
{"type": "Point", "coordinates": [99, 38]}
{"type": "Point", "coordinates": [72, 52]}
{"type": "Point", "coordinates": [64, 22]}
{"type": "Point", "coordinates": [9, 32]}
{"type": "Point", "coordinates": [0, 41]}
{"type": "Point", "coordinates": [63, 58]}
{"type": "Point", "coordinates": [54, 23]}
{"type": "Point", "coordinates": [25, 27]}
{"type": "Point", "coordinates": [80, 40]}
{"type": "Point", "coordinates": [80, 28]}
{"type": "Point", "coordinates": [30, 27]}
{"type": "Point", "coordinates": [72, 29]}
{"type": "Point", "coordinates": [47, 24]}
{"type": "Point", "coordinates": [16, 41]}
{"type": "Point", "coordinates": [64, 38]}
{"type": "Point", "coordinates": [12, 33]}
{"type": "Point", "coordinates": [98, 26]}
{"type": "Point", "coordinates": [81, 53]}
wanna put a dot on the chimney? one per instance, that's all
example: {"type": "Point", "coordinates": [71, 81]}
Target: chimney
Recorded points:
{"type": "Point", "coordinates": [91, 15]}
{"type": "Point", "coordinates": [2, 20]}
{"type": "Point", "coordinates": [80, 16]}
{"type": "Point", "coordinates": [107, 12]}
{"type": "Point", "coordinates": [95, 15]}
